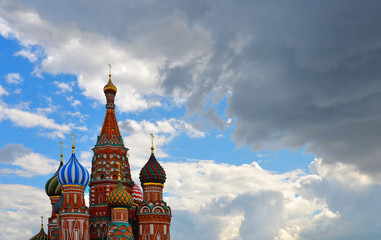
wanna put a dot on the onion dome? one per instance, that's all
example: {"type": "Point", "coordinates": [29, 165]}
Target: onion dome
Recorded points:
{"type": "Point", "coordinates": [41, 235]}
{"type": "Point", "coordinates": [110, 87]}
{"type": "Point", "coordinates": [120, 197]}
{"type": "Point", "coordinates": [152, 172]}
{"type": "Point", "coordinates": [53, 186]}
{"type": "Point", "coordinates": [73, 172]}
{"type": "Point", "coordinates": [137, 194]}
{"type": "Point", "coordinates": [57, 206]}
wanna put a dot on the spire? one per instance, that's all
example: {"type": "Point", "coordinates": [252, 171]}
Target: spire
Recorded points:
{"type": "Point", "coordinates": [119, 197]}
{"type": "Point", "coordinates": [110, 87]}
{"type": "Point", "coordinates": [73, 147]}
{"type": "Point", "coordinates": [152, 148]}
{"type": "Point", "coordinates": [152, 172]}
{"type": "Point", "coordinates": [61, 152]}
{"type": "Point", "coordinates": [41, 235]}
{"type": "Point", "coordinates": [110, 131]}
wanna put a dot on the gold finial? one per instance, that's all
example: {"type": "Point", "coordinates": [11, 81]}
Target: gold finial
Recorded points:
{"type": "Point", "coordinates": [152, 136]}
{"type": "Point", "coordinates": [110, 87]}
{"type": "Point", "coordinates": [42, 222]}
{"type": "Point", "coordinates": [119, 172]}
{"type": "Point", "coordinates": [73, 147]}
{"type": "Point", "coordinates": [61, 151]}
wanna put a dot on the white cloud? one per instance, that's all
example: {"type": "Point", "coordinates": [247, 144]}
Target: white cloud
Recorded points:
{"type": "Point", "coordinates": [31, 120]}
{"type": "Point", "coordinates": [2, 91]}
{"type": "Point", "coordinates": [223, 201]}
{"type": "Point", "coordinates": [17, 91]}
{"type": "Point", "coordinates": [81, 116]}
{"type": "Point", "coordinates": [33, 55]}
{"type": "Point", "coordinates": [64, 87]}
{"type": "Point", "coordinates": [14, 78]}
{"type": "Point", "coordinates": [20, 208]}
{"type": "Point", "coordinates": [164, 131]}
{"type": "Point", "coordinates": [345, 173]}
{"type": "Point", "coordinates": [27, 162]}
{"type": "Point", "coordinates": [76, 103]}
{"type": "Point", "coordinates": [247, 202]}
{"type": "Point", "coordinates": [136, 63]}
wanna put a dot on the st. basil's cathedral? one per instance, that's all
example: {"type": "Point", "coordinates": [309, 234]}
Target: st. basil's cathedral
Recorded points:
{"type": "Point", "coordinates": [118, 208]}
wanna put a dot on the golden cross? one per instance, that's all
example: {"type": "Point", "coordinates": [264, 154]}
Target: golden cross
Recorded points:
{"type": "Point", "coordinates": [61, 151]}
{"type": "Point", "coordinates": [109, 69]}
{"type": "Point", "coordinates": [152, 148]}
{"type": "Point", "coordinates": [152, 136]}
{"type": "Point", "coordinates": [42, 221]}
{"type": "Point", "coordinates": [73, 147]}
{"type": "Point", "coordinates": [61, 146]}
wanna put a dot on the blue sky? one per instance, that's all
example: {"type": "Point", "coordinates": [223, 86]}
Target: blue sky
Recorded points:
{"type": "Point", "coordinates": [267, 124]}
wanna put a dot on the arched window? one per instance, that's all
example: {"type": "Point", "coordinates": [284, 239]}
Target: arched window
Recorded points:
{"type": "Point", "coordinates": [104, 227]}
{"type": "Point", "coordinates": [100, 199]}
{"type": "Point", "coordinates": [101, 176]}
{"type": "Point", "coordinates": [91, 229]}
{"type": "Point", "coordinates": [98, 231]}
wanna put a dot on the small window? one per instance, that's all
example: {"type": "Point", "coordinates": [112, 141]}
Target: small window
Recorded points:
{"type": "Point", "coordinates": [147, 237]}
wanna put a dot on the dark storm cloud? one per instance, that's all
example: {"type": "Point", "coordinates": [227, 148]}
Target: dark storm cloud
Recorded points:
{"type": "Point", "coordinates": [297, 73]}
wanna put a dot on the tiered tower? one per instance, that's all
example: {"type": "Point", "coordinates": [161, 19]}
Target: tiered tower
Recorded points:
{"type": "Point", "coordinates": [120, 201]}
{"type": "Point", "coordinates": [73, 214]}
{"type": "Point", "coordinates": [154, 215]}
{"type": "Point", "coordinates": [109, 151]}
{"type": "Point", "coordinates": [54, 190]}
{"type": "Point", "coordinates": [118, 208]}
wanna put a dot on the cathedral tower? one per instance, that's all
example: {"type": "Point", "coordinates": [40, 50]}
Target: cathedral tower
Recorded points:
{"type": "Point", "coordinates": [109, 151]}
{"type": "Point", "coordinates": [53, 189]}
{"type": "Point", "coordinates": [154, 215]}
{"type": "Point", "coordinates": [73, 214]}
{"type": "Point", "coordinates": [120, 201]}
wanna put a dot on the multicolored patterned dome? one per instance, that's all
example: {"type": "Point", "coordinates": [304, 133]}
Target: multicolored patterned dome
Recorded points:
{"type": "Point", "coordinates": [120, 230]}
{"type": "Point", "coordinates": [53, 186]}
{"type": "Point", "coordinates": [41, 235]}
{"type": "Point", "coordinates": [73, 173]}
{"type": "Point", "coordinates": [152, 172]}
{"type": "Point", "coordinates": [137, 194]}
{"type": "Point", "coordinates": [120, 197]}
{"type": "Point", "coordinates": [57, 206]}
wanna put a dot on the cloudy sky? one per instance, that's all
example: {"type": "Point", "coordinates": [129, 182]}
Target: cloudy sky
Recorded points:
{"type": "Point", "coordinates": [266, 113]}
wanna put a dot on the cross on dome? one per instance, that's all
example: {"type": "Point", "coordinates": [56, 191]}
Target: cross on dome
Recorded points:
{"type": "Point", "coordinates": [152, 147]}
{"type": "Point", "coordinates": [73, 142]}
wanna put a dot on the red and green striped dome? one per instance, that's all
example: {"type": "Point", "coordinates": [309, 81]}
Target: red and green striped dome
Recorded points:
{"type": "Point", "coordinates": [120, 197]}
{"type": "Point", "coordinates": [152, 172]}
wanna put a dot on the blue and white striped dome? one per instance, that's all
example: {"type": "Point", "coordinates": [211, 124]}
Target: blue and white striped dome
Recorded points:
{"type": "Point", "coordinates": [73, 173]}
